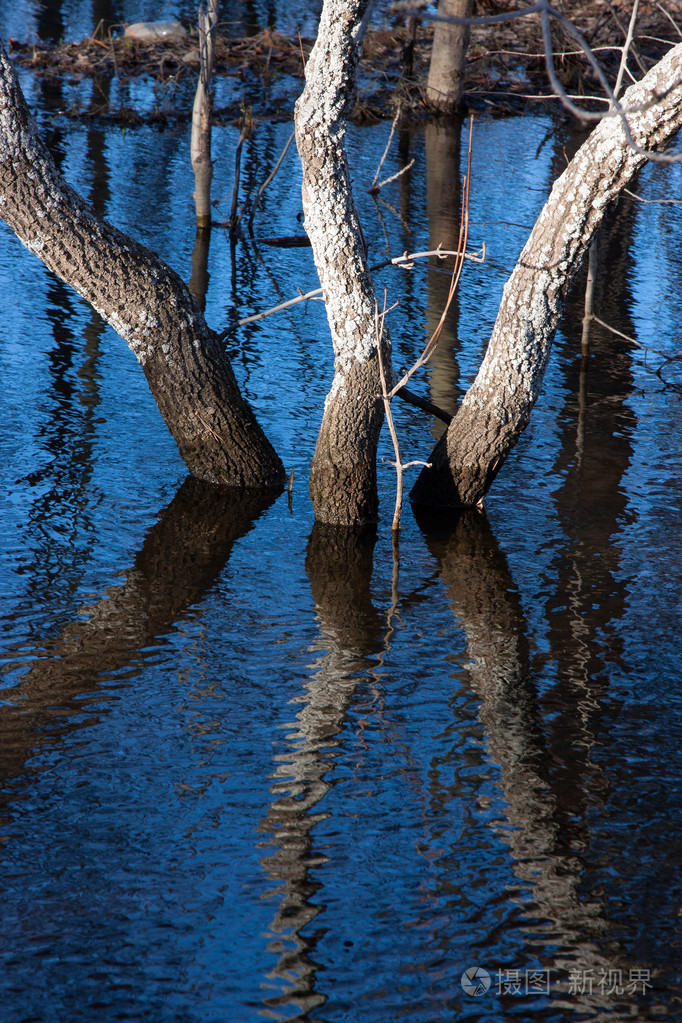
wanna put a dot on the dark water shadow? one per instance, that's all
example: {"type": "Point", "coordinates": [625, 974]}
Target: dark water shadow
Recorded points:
{"type": "Point", "coordinates": [182, 555]}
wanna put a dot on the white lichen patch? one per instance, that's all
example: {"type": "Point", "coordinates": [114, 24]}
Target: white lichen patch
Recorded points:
{"type": "Point", "coordinates": [36, 244]}
{"type": "Point", "coordinates": [337, 389]}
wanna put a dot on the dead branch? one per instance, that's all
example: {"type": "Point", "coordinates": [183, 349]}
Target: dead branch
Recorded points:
{"type": "Point", "coordinates": [406, 261]}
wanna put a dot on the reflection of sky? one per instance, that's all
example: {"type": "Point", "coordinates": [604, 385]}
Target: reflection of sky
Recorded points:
{"type": "Point", "coordinates": [651, 549]}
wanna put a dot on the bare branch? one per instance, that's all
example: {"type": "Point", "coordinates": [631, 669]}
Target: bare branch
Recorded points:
{"type": "Point", "coordinates": [548, 12]}
{"type": "Point", "coordinates": [379, 326]}
{"type": "Point", "coordinates": [406, 261]}
{"type": "Point", "coordinates": [393, 177]}
{"type": "Point", "coordinates": [386, 151]}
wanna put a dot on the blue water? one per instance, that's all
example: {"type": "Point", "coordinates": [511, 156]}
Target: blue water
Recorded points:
{"type": "Point", "coordinates": [249, 772]}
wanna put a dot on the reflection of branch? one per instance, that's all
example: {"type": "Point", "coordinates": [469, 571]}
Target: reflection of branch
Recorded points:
{"type": "Point", "coordinates": [233, 220]}
{"type": "Point", "coordinates": [259, 193]}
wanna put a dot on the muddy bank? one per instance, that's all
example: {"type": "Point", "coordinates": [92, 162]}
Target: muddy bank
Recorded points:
{"type": "Point", "coordinates": [505, 66]}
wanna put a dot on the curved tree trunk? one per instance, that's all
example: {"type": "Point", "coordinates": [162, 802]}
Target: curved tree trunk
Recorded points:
{"type": "Point", "coordinates": [446, 71]}
{"type": "Point", "coordinates": [343, 473]}
{"type": "Point", "coordinates": [141, 297]}
{"type": "Point", "coordinates": [497, 406]}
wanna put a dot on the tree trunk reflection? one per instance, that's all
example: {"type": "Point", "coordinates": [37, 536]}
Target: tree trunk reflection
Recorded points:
{"type": "Point", "coordinates": [542, 837]}
{"type": "Point", "coordinates": [181, 556]}
{"type": "Point", "coordinates": [339, 566]}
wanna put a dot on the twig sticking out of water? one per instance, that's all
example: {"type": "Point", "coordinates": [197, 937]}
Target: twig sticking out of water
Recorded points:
{"type": "Point", "coordinates": [202, 164]}
{"type": "Point", "coordinates": [398, 463]}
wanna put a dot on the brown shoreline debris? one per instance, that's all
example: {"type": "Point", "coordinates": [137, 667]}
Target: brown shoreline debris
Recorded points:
{"type": "Point", "coordinates": [505, 67]}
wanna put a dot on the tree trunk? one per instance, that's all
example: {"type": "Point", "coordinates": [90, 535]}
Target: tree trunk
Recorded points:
{"type": "Point", "coordinates": [497, 406]}
{"type": "Point", "coordinates": [450, 43]}
{"type": "Point", "coordinates": [202, 165]}
{"type": "Point", "coordinates": [187, 369]}
{"type": "Point", "coordinates": [343, 472]}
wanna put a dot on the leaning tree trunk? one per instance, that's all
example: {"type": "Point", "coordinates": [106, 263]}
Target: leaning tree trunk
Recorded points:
{"type": "Point", "coordinates": [141, 297]}
{"type": "Point", "coordinates": [343, 472]}
{"type": "Point", "coordinates": [497, 406]}
{"type": "Point", "coordinates": [448, 55]}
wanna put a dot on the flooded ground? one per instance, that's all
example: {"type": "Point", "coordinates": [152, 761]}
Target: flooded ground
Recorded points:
{"type": "Point", "coordinates": [246, 771]}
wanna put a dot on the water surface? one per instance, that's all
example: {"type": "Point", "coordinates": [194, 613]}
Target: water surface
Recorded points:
{"type": "Point", "coordinates": [247, 770]}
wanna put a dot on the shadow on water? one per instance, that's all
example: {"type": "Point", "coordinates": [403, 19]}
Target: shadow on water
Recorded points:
{"type": "Point", "coordinates": [182, 555]}
{"type": "Point", "coordinates": [538, 824]}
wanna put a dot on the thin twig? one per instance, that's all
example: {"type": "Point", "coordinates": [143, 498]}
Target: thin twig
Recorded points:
{"type": "Point", "coordinates": [379, 328]}
{"type": "Point", "coordinates": [406, 261]}
{"type": "Point", "coordinates": [670, 19]}
{"type": "Point", "coordinates": [267, 181]}
{"type": "Point", "coordinates": [625, 32]}
{"type": "Point", "coordinates": [454, 280]}
{"type": "Point", "coordinates": [388, 146]}
{"type": "Point", "coordinates": [626, 48]}
{"type": "Point", "coordinates": [387, 181]}
{"type": "Point", "coordinates": [619, 333]}
{"type": "Point", "coordinates": [662, 202]}
{"type": "Point", "coordinates": [546, 12]}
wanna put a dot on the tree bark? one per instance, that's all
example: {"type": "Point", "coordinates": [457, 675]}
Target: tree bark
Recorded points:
{"type": "Point", "coordinates": [202, 165]}
{"type": "Point", "coordinates": [343, 473]}
{"type": "Point", "coordinates": [448, 55]}
{"type": "Point", "coordinates": [187, 369]}
{"type": "Point", "coordinates": [497, 406]}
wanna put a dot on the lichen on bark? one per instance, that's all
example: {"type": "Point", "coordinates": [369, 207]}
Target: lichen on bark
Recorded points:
{"type": "Point", "coordinates": [343, 472]}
